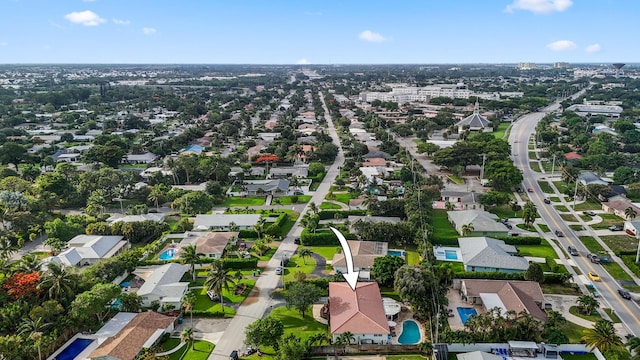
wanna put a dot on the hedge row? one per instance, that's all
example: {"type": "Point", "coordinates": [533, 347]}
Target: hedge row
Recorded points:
{"type": "Point", "coordinates": [247, 234]}
{"type": "Point", "coordinates": [331, 214]}
{"type": "Point", "coordinates": [228, 263]}
{"type": "Point", "coordinates": [323, 238]}
{"type": "Point", "coordinates": [274, 229]}
{"type": "Point", "coordinates": [549, 278]}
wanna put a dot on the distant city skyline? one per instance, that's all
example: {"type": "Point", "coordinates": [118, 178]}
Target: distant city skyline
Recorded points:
{"type": "Point", "coordinates": [318, 32]}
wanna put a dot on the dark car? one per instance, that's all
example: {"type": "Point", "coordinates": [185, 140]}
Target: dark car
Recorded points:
{"type": "Point", "coordinates": [590, 213]}
{"type": "Point", "coordinates": [547, 201]}
{"type": "Point", "coordinates": [616, 228]}
{"type": "Point", "coordinates": [234, 355]}
{"type": "Point", "coordinates": [296, 241]}
{"type": "Point", "coordinates": [509, 226]}
{"type": "Point", "coordinates": [625, 294]}
{"type": "Point", "coordinates": [573, 251]}
{"type": "Point", "coordinates": [559, 233]}
{"type": "Point", "coordinates": [594, 258]}
{"type": "Point", "coordinates": [514, 234]}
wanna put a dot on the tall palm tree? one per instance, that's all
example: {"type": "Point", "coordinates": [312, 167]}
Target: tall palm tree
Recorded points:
{"type": "Point", "coordinates": [529, 213]}
{"type": "Point", "coordinates": [219, 279]}
{"type": "Point", "coordinates": [630, 213]}
{"type": "Point", "coordinates": [28, 264]}
{"type": "Point", "coordinates": [259, 227]}
{"type": "Point", "coordinates": [187, 336]}
{"type": "Point", "coordinates": [156, 195]}
{"type": "Point", "coordinates": [466, 229]}
{"type": "Point", "coordinates": [634, 347]}
{"type": "Point", "coordinates": [304, 253]}
{"type": "Point", "coordinates": [313, 208]}
{"type": "Point", "coordinates": [188, 301]}
{"type": "Point", "coordinates": [190, 256]}
{"type": "Point", "coordinates": [58, 282]}
{"type": "Point", "coordinates": [344, 340]}
{"type": "Point", "coordinates": [588, 304]}
{"type": "Point", "coordinates": [448, 205]}
{"type": "Point", "coordinates": [603, 336]}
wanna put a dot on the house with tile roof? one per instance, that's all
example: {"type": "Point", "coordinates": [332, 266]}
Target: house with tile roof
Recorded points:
{"type": "Point", "coordinates": [484, 254]}
{"type": "Point", "coordinates": [144, 331]}
{"type": "Point", "coordinates": [87, 249]}
{"type": "Point", "coordinates": [363, 253]}
{"type": "Point", "coordinates": [360, 312]}
{"type": "Point", "coordinates": [210, 244]}
{"type": "Point", "coordinates": [619, 207]}
{"type": "Point", "coordinates": [484, 223]}
{"type": "Point", "coordinates": [507, 295]}
{"type": "Point", "coordinates": [162, 283]}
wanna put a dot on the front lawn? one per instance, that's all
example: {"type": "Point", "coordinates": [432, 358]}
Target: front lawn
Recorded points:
{"type": "Point", "coordinates": [607, 220]}
{"type": "Point", "coordinates": [559, 289]}
{"type": "Point", "coordinates": [204, 303]}
{"type": "Point", "coordinates": [329, 206]}
{"type": "Point", "coordinates": [296, 264]}
{"type": "Point", "coordinates": [504, 211]}
{"type": "Point", "coordinates": [568, 217]}
{"type": "Point", "coordinates": [267, 255]}
{"type": "Point", "coordinates": [545, 187]}
{"type": "Point", "coordinates": [326, 251]}
{"type": "Point", "coordinates": [302, 199]}
{"type": "Point", "coordinates": [561, 186]}
{"type": "Point", "coordinates": [343, 198]}
{"type": "Point", "coordinates": [561, 208]}
{"type": "Point", "coordinates": [544, 250]}
{"type": "Point", "coordinates": [592, 245]}
{"type": "Point", "coordinates": [588, 205]}
{"type": "Point", "coordinates": [243, 201]}
{"type": "Point", "coordinates": [576, 311]}
{"type": "Point", "coordinates": [619, 243]}
{"type": "Point", "coordinates": [199, 351]}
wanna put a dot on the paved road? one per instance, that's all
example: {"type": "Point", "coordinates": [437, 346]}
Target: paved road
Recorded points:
{"type": "Point", "coordinates": [255, 307]}
{"type": "Point", "coordinates": [628, 311]}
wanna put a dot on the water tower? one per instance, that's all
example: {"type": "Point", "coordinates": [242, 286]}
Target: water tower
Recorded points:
{"type": "Point", "coordinates": [618, 66]}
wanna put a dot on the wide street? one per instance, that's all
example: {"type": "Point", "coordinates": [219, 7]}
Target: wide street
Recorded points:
{"type": "Point", "coordinates": [628, 311]}
{"type": "Point", "coordinates": [253, 309]}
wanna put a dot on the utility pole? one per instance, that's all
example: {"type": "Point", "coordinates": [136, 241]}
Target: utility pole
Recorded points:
{"type": "Point", "coordinates": [553, 166]}
{"type": "Point", "coordinates": [575, 193]}
{"type": "Point", "coordinates": [484, 156]}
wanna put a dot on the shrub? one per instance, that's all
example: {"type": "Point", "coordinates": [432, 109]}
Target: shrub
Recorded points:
{"type": "Point", "coordinates": [240, 263]}
{"type": "Point", "coordinates": [490, 275]}
{"type": "Point", "coordinates": [247, 234]}
{"type": "Point", "coordinates": [323, 238]}
{"type": "Point", "coordinates": [330, 214]}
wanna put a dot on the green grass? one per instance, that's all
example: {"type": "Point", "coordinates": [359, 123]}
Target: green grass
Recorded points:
{"type": "Point", "coordinates": [588, 205]}
{"type": "Point", "coordinates": [561, 208]}
{"type": "Point", "coordinates": [390, 293]}
{"type": "Point", "coordinates": [504, 211]}
{"type": "Point", "coordinates": [554, 198]}
{"type": "Point", "coordinates": [543, 250]}
{"type": "Point", "coordinates": [607, 220]}
{"type": "Point", "coordinates": [240, 201]}
{"type": "Point", "coordinates": [574, 333]}
{"type": "Point", "coordinates": [559, 289]}
{"type": "Point", "coordinates": [561, 186]}
{"type": "Point", "coordinates": [568, 217]}
{"type": "Point", "coordinates": [302, 199]}
{"type": "Point", "coordinates": [535, 166]}
{"type": "Point", "coordinates": [579, 357]}
{"type": "Point", "coordinates": [619, 243]}
{"type": "Point", "coordinates": [501, 129]}
{"type": "Point", "coordinates": [326, 251]}
{"type": "Point", "coordinates": [200, 351]}
{"type": "Point", "coordinates": [616, 271]}
{"type": "Point", "coordinates": [576, 311]}
{"type": "Point", "coordinates": [456, 267]}
{"type": "Point", "coordinates": [343, 198]}
{"type": "Point", "coordinates": [592, 244]}
{"type": "Point", "coordinates": [441, 226]}
{"type": "Point", "coordinates": [412, 257]}
{"type": "Point", "coordinates": [576, 227]}
{"type": "Point", "coordinates": [544, 185]}
{"type": "Point", "coordinates": [455, 179]}
{"type": "Point", "coordinates": [533, 155]}
{"type": "Point", "coordinates": [405, 357]}
{"type": "Point", "coordinates": [329, 206]}
{"type": "Point", "coordinates": [296, 264]}
{"type": "Point", "coordinates": [267, 255]}
{"type": "Point", "coordinates": [203, 303]}
{"type": "Point", "coordinates": [544, 228]}
{"type": "Point", "coordinates": [612, 314]}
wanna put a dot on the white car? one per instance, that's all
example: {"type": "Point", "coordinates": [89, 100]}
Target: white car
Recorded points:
{"type": "Point", "coordinates": [279, 270]}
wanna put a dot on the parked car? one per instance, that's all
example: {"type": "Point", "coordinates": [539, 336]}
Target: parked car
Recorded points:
{"type": "Point", "coordinates": [514, 234]}
{"type": "Point", "coordinates": [234, 355]}
{"type": "Point", "coordinates": [594, 258]}
{"type": "Point", "coordinates": [296, 241]}
{"type": "Point", "coordinates": [594, 276]}
{"type": "Point", "coordinates": [590, 213]}
{"type": "Point", "coordinates": [509, 226]}
{"type": "Point", "coordinates": [559, 233]}
{"type": "Point", "coordinates": [616, 227]}
{"type": "Point", "coordinates": [504, 221]}
{"type": "Point", "coordinates": [279, 270]}
{"type": "Point", "coordinates": [547, 201]}
{"type": "Point", "coordinates": [624, 293]}
{"type": "Point", "coordinates": [573, 251]}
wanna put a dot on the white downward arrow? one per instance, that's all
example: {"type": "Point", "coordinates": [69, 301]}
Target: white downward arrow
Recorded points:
{"type": "Point", "coordinates": [351, 276]}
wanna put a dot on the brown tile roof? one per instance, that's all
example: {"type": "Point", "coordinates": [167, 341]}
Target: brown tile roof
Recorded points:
{"type": "Point", "coordinates": [621, 205]}
{"type": "Point", "coordinates": [572, 156]}
{"type": "Point", "coordinates": [515, 295]}
{"type": "Point", "coordinates": [214, 242]}
{"type": "Point", "coordinates": [516, 300]}
{"type": "Point", "coordinates": [359, 312]}
{"type": "Point", "coordinates": [375, 162]}
{"type": "Point", "coordinates": [127, 343]}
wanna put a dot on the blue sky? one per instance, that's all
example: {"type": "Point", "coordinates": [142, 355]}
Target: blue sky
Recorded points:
{"type": "Point", "coordinates": [318, 32]}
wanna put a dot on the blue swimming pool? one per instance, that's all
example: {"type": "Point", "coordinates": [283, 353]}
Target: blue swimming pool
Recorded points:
{"type": "Point", "coordinates": [168, 254]}
{"type": "Point", "coordinates": [76, 347]}
{"type": "Point", "coordinates": [410, 333]}
{"type": "Point", "coordinates": [465, 313]}
{"type": "Point", "coordinates": [399, 253]}
{"type": "Point", "coordinates": [451, 255]}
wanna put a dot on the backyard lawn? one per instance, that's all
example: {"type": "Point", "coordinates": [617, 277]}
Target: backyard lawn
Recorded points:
{"type": "Point", "coordinates": [588, 205]}
{"type": "Point", "coordinates": [441, 226]}
{"type": "Point", "coordinates": [412, 257]}
{"type": "Point", "coordinates": [504, 211]}
{"type": "Point", "coordinates": [243, 201]}
{"type": "Point", "coordinates": [544, 250]}
{"type": "Point", "coordinates": [326, 251]}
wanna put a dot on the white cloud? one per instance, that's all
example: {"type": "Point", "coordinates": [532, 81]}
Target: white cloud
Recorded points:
{"type": "Point", "coordinates": [3, 44]}
{"type": "Point", "coordinates": [371, 36]}
{"type": "Point", "coordinates": [562, 45]}
{"type": "Point", "coordinates": [593, 48]}
{"type": "Point", "coordinates": [303, 62]}
{"type": "Point", "coordinates": [540, 6]}
{"type": "Point", "coordinates": [149, 31]}
{"type": "Point", "coordinates": [86, 18]}
{"type": "Point", "coordinates": [121, 22]}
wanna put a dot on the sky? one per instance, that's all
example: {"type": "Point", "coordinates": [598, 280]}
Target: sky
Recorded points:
{"type": "Point", "coordinates": [318, 31]}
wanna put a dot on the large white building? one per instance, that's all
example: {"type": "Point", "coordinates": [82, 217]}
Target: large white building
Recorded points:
{"type": "Point", "coordinates": [404, 94]}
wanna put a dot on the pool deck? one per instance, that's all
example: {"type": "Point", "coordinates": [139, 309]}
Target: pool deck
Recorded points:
{"type": "Point", "coordinates": [439, 253]}
{"type": "Point", "coordinates": [455, 301]}
{"type": "Point", "coordinates": [406, 314]}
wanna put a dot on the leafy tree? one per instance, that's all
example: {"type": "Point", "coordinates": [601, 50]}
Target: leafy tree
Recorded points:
{"type": "Point", "coordinates": [385, 267]}
{"type": "Point", "coordinates": [503, 174]}
{"type": "Point", "coordinates": [534, 273]}
{"type": "Point", "coordinates": [301, 295]}
{"type": "Point", "coordinates": [291, 347]}
{"type": "Point", "coordinates": [493, 198]}
{"type": "Point", "coordinates": [603, 336]}
{"type": "Point", "coordinates": [264, 332]}
{"type": "Point", "coordinates": [428, 148]}
{"type": "Point", "coordinates": [12, 153]}
{"type": "Point", "coordinates": [625, 175]}
{"type": "Point", "coordinates": [109, 155]}
{"type": "Point", "coordinates": [94, 302]}
{"type": "Point", "coordinates": [194, 202]}
{"type": "Point", "coordinates": [130, 302]}
{"type": "Point", "coordinates": [63, 230]}
{"type": "Point", "coordinates": [316, 168]}
{"type": "Point", "coordinates": [23, 286]}
{"type": "Point", "coordinates": [419, 286]}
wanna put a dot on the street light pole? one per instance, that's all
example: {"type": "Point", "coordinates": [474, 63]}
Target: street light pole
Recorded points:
{"type": "Point", "coordinates": [553, 166]}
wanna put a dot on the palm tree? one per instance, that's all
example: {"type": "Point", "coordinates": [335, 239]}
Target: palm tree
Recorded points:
{"type": "Point", "coordinates": [6, 248]}
{"type": "Point", "coordinates": [219, 279]}
{"type": "Point", "coordinates": [345, 339]}
{"type": "Point", "coordinates": [188, 301]}
{"type": "Point", "coordinates": [313, 208]}
{"type": "Point", "coordinates": [259, 227]}
{"type": "Point", "coordinates": [426, 347]}
{"type": "Point", "coordinates": [36, 336]}
{"type": "Point", "coordinates": [448, 205]}
{"type": "Point", "coordinates": [156, 195]}
{"type": "Point", "coordinates": [28, 264]}
{"type": "Point", "coordinates": [466, 229]}
{"type": "Point", "coordinates": [603, 336]}
{"type": "Point", "coordinates": [634, 347]}
{"type": "Point", "coordinates": [630, 213]}
{"type": "Point", "coordinates": [529, 213]}
{"type": "Point", "coordinates": [233, 227]}
{"type": "Point", "coordinates": [304, 253]}
{"type": "Point", "coordinates": [192, 257]}
{"type": "Point", "coordinates": [588, 304]}
{"type": "Point", "coordinates": [59, 282]}
{"type": "Point", "coordinates": [187, 336]}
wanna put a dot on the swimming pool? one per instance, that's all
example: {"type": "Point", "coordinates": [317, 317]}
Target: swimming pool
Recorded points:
{"type": "Point", "coordinates": [168, 254]}
{"type": "Point", "coordinates": [399, 253]}
{"type": "Point", "coordinates": [74, 349]}
{"type": "Point", "coordinates": [465, 313]}
{"type": "Point", "coordinates": [410, 333]}
{"type": "Point", "coordinates": [451, 255]}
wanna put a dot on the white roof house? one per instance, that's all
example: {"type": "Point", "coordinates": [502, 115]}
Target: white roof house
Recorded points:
{"type": "Point", "coordinates": [157, 217]}
{"type": "Point", "coordinates": [162, 283]}
{"type": "Point", "coordinates": [478, 355]}
{"type": "Point", "coordinates": [484, 223]}
{"type": "Point", "coordinates": [87, 249]}
{"type": "Point", "coordinates": [222, 222]}
{"type": "Point", "coordinates": [487, 254]}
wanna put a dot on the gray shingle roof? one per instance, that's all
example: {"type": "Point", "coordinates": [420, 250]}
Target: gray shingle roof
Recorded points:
{"type": "Point", "coordinates": [487, 252]}
{"type": "Point", "coordinates": [482, 221]}
{"type": "Point", "coordinates": [474, 121]}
